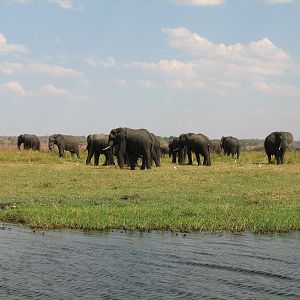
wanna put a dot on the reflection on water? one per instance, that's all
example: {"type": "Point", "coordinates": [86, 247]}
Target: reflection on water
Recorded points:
{"type": "Point", "coordinates": [119, 265]}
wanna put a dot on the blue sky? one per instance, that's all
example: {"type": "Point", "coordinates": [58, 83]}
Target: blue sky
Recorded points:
{"type": "Point", "coordinates": [171, 66]}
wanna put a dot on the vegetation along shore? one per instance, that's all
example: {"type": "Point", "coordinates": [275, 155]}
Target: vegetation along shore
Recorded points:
{"type": "Point", "coordinates": [41, 190]}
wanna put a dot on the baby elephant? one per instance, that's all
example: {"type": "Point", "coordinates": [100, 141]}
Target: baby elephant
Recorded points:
{"type": "Point", "coordinates": [64, 142]}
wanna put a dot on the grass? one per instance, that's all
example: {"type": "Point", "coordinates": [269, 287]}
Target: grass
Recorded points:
{"type": "Point", "coordinates": [39, 189]}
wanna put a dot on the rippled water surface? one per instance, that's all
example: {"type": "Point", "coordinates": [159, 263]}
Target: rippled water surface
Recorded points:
{"type": "Point", "coordinates": [119, 265]}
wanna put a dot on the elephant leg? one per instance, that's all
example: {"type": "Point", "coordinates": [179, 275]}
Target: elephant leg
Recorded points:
{"type": "Point", "coordinates": [61, 150]}
{"type": "Point", "coordinates": [147, 157]}
{"type": "Point", "coordinates": [111, 157]}
{"type": "Point", "coordinates": [156, 155]}
{"type": "Point", "coordinates": [269, 157]}
{"type": "Point", "coordinates": [120, 159]}
{"type": "Point", "coordinates": [282, 152]}
{"type": "Point", "coordinates": [174, 158]}
{"type": "Point", "coordinates": [96, 158]}
{"type": "Point", "coordinates": [132, 159]}
{"type": "Point", "coordinates": [180, 154]}
{"type": "Point", "coordinates": [198, 158]}
{"type": "Point", "coordinates": [189, 153]}
{"type": "Point", "coordinates": [77, 152]}
{"type": "Point", "coordinates": [89, 157]}
{"type": "Point", "coordinates": [205, 160]}
{"type": "Point", "coordinates": [106, 163]}
{"type": "Point", "coordinates": [143, 165]}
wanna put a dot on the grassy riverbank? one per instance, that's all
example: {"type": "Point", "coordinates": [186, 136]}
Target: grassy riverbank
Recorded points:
{"type": "Point", "coordinates": [42, 190]}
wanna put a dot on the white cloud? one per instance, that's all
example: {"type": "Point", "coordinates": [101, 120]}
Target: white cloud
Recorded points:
{"type": "Point", "coordinates": [68, 4]}
{"type": "Point", "coordinates": [15, 87]}
{"type": "Point", "coordinates": [218, 68]}
{"type": "Point", "coordinates": [108, 62]}
{"type": "Point", "coordinates": [5, 48]}
{"type": "Point", "coordinates": [145, 84]}
{"type": "Point", "coordinates": [51, 90]}
{"type": "Point", "coordinates": [38, 69]}
{"type": "Point", "coordinates": [279, 1]}
{"type": "Point", "coordinates": [173, 68]}
{"type": "Point", "coordinates": [274, 89]}
{"type": "Point", "coordinates": [123, 83]}
{"type": "Point", "coordinates": [46, 90]}
{"type": "Point", "coordinates": [186, 85]}
{"type": "Point", "coordinates": [197, 2]}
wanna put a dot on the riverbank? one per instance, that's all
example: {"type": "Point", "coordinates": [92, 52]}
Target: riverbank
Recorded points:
{"type": "Point", "coordinates": [44, 191]}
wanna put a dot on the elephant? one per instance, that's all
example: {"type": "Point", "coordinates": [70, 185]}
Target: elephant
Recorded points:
{"type": "Point", "coordinates": [135, 143]}
{"type": "Point", "coordinates": [155, 150]}
{"type": "Point", "coordinates": [64, 142]}
{"type": "Point", "coordinates": [215, 146]}
{"type": "Point", "coordinates": [176, 152]}
{"type": "Point", "coordinates": [230, 145]}
{"type": "Point", "coordinates": [164, 146]}
{"type": "Point", "coordinates": [276, 144]}
{"type": "Point", "coordinates": [29, 141]}
{"type": "Point", "coordinates": [199, 144]}
{"type": "Point", "coordinates": [95, 144]}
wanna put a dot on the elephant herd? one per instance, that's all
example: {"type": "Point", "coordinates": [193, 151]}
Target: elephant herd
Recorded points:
{"type": "Point", "coordinates": [128, 145]}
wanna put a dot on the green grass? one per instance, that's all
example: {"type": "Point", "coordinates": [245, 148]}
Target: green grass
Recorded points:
{"type": "Point", "coordinates": [45, 191]}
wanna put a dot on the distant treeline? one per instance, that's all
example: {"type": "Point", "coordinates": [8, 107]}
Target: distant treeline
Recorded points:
{"type": "Point", "coordinates": [247, 144]}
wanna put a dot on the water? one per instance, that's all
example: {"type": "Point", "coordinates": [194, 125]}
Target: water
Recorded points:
{"type": "Point", "coordinates": [119, 265]}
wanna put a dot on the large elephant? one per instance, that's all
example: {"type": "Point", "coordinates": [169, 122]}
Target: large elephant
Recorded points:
{"type": "Point", "coordinates": [199, 144]}
{"type": "Point", "coordinates": [276, 143]}
{"type": "Point", "coordinates": [135, 143]}
{"type": "Point", "coordinates": [95, 145]}
{"type": "Point", "coordinates": [176, 152]}
{"type": "Point", "coordinates": [29, 141]}
{"type": "Point", "coordinates": [231, 145]}
{"type": "Point", "coordinates": [64, 143]}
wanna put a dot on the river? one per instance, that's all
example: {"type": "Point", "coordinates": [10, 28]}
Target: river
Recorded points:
{"type": "Point", "coordinates": [157, 265]}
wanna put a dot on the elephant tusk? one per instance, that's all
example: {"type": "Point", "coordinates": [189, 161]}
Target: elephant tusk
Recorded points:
{"type": "Point", "coordinates": [106, 148]}
{"type": "Point", "coordinates": [175, 150]}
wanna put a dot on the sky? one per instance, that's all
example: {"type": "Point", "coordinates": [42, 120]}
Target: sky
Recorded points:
{"type": "Point", "coordinates": [217, 67]}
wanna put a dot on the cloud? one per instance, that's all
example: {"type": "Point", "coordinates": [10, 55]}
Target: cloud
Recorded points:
{"type": "Point", "coordinates": [67, 4]}
{"type": "Point", "coordinates": [15, 87]}
{"type": "Point", "coordinates": [173, 68]}
{"type": "Point", "coordinates": [108, 62]}
{"type": "Point", "coordinates": [145, 84]}
{"type": "Point", "coordinates": [123, 83]}
{"type": "Point", "coordinates": [51, 90]}
{"type": "Point", "coordinates": [274, 89]}
{"type": "Point", "coordinates": [46, 90]}
{"type": "Point", "coordinates": [5, 48]}
{"type": "Point", "coordinates": [279, 1]}
{"type": "Point", "coordinates": [221, 69]}
{"type": "Point", "coordinates": [197, 2]}
{"type": "Point", "coordinates": [38, 69]}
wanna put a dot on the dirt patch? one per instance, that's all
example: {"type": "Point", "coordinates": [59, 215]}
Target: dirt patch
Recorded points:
{"type": "Point", "coordinates": [131, 197]}
{"type": "Point", "coordinates": [5, 206]}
